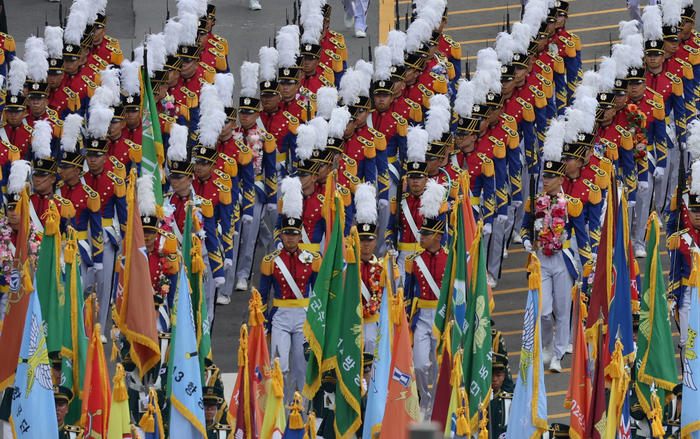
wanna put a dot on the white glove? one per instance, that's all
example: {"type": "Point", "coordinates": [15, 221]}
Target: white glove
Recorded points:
{"type": "Point", "coordinates": [219, 281]}
{"type": "Point", "coordinates": [517, 203]}
{"type": "Point", "coordinates": [280, 246]}
{"type": "Point", "coordinates": [631, 204]}
{"type": "Point", "coordinates": [487, 229]}
{"type": "Point", "coordinates": [228, 263]}
{"type": "Point", "coordinates": [383, 204]}
{"type": "Point", "coordinates": [528, 245]}
{"type": "Point", "coordinates": [683, 146]}
{"type": "Point", "coordinates": [643, 185]}
{"type": "Point", "coordinates": [501, 219]}
{"type": "Point", "coordinates": [658, 173]}
{"type": "Point", "coordinates": [246, 219]}
{"type": "Point", "coordinates": [270, 208]}
{"type": "Point", "coordinates": [98, 266]}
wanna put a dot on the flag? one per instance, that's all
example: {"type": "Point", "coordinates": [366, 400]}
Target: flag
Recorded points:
{"type": "Point", "coordinates": [258, 359]}
{"type": "Point", "coordinates": [274, 422]}
{"type": "Point", "coordinates": [528, 411]}
{"type": "Point", "coordinates": [329, 278]}
{"type": "Point", "coordinates": [620, 315]}
{"type": "Point", "coordinates": [600, 290]}
{"type": "Point", "coordinates": [135, 313]}
{"type": "Point", "coordinates": [194, 265]}
{"type": "Point", "coordinates": [74, 348]}
{"type": "Point", "coordinates": [96, 398]}
{"type": "Point", "coordinates": [578, 396]}
{"type": "Point", "coordinates": [625, 430]}
{"type": "Point", "coordinates": [379, 380]}
{"type": "Point", "coordinates": [452, 290]}
{"type": "Point", "coordinates": [152, 140]}
{"type": "Point", "coordinates": [690, 419]}
{"type": "Point", "coordinates": [617, 371]}
{"type": "Point", "coordinates": [48, 275]}
{"type": "Point", "coordinates": [596, 422]}
{"type": "Point", "coordinates": [443, 388]}
{"type": "Point", "coordinates": [33, 407]}
{"type": "Point", "coordinates": [295, 427]}
{"type": "Point", "coordinates": [184, 377]}
{"type": "Point", "coordinates": [655, 361]}
{"type": "Point", "coordinates": [402, 406]}
{"type": "Point", "coordinates": [119, 426]}
{"type": "Point", "coordinates": [477, 357]}
{"type": "Point", "coordinates": [457, 404]}
{"type": "Point", "coordinates": [152, 421]}
{"type": "Point", "coordinates": [17, 298]}
{"type": "Point", "coordinates": [346, 309]}
{"type": "Point", "coordinates": [241, 406]}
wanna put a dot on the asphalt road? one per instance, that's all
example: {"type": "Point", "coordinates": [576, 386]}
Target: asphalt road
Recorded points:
{"type": "Point", "coordinates": [472, 22]}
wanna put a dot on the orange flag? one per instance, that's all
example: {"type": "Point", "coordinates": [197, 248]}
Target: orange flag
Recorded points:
{"type": "Point", "coordinates": [135, 313]}
{"type": "Point", "coordinates": [96, 395]}
{"type": "Point", "coordinates": [241, 407]}
{"type": "Point", "coordinates": [258, 357]}
{"type": "Point", "coordinates": [17, 300]}
{"type": "Point", "coordinates": [402, 397]}
{"type": "Point", "coordinates": [578, 397]}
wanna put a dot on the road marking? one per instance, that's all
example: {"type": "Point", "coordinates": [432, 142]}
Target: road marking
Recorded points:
{"type": "Point", "coordinates": [507, 313]}
{"type": "Point", "coordinates": [557, 393]}
{"type": "Point", "coordinates": [386, 19]}
{"type": "Point", "coordinates": [559, 416]}
{"type": "Point", "coordinates": [500, 23]}
{"type": "Point", "coordinates": [510, 291]}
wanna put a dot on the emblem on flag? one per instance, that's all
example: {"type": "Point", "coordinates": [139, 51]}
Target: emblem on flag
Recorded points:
{"type": "Point", "coordinates": [403, 378]}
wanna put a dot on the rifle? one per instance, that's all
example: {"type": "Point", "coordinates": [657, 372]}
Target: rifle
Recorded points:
{"type": "Point", "coordinates": [396, 14]}
{"type": "Point", "coordinates": [532, 210]}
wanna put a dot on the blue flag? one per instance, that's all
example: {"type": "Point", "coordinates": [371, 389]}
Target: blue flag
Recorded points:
{"type": "Point", "coordinates": [33, 406]}
{"type": "Point", "coordinates": [528, 411]}
{"type": "Point", "coordinates": [620, 314]}
{"type": "Point", "coordinates": [379, 380]}
{"type": "Point", "coordinates": [690, 419]}
{"type": "Point", "coordinates": [185, 379]}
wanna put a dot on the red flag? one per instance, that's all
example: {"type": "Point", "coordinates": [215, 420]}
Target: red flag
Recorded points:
{"type": "Point", "coordinates": [241, 407]}
{"type": "Point", "coordinates": [17, 299]}
{"type": "Point", "coordinates": [578, 396]}
{"type": "Point", "coordinates": [258, 358]}
{"type": "Point", "coordinates": [596, 422]}
{"type": "Point", "coordinates": [402, 406]}
{"type": "Point", "coordinates": [96, 394]}
{"type": "Point", "coordinates": [135, 312]}
{"type": "Point", "coordinates": [601, 290]}
{"type": "Point", "coordinates": [443, 391]}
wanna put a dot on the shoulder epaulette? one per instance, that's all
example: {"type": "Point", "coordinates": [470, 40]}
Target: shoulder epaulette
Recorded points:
{"type": "Point", "coordinates": [574, 206]}
{"type": "Point", "coordinates": [224, 192]}
{"type": "Point", "coordinates": [336, 61]}
{"type": "Point", "coordinates": [169, 120]}
{"type": "Point", "coordinates": [221, 40]}
{"type": "Point", "coordinates": [267, 265]}
{"type": "Point", "coordinates": [13, 153]}
{"type": "Point", "coordinates": [676, 83]}
{"type": "Point", "coordinates": [345, 193]}
{"type": "Point", "coordinates": [408, 264]}
{"type": "Point", "coordinates": [119, 184]}
{"type": "Point", "coordinates": [245, 154]}
{"type": "Point", "coordinates": [205, 206]}
{"type": "Point", "coordinates": [595, 196]}
{"type": "Point", "coordinates": [192, 100]}
{"type": "Point", "coordinates": [316, 261]}
{"type": "Point", "coordinates": [540, 97]}
{"type": "Point", "coordinates": [93, 202]}
{"type": "Point", "coordinates": [65, 206]}
{"type": "Point", "coordinates": [486, 165]}
{"type": "Point", "coordinates": [499, 147]}
{"type": "Point", "coordinates": [625, 138]}
{"type": "Point", "coordinates": [90, 84]}
{"type": "Point", "coordinates": [230, 165]}
{"type": "Point", "coordinates": [687, 68]}
{"type": "Point", "coordinates": [528, 111]}
{"type": "Point", "coordinates": [9, 42]}
{"type": "Point", "coordinates": [439, 83]}
{"type": "Point", "coordinates": [379, 139]}
{"type": "Point", "coordinates": [292, 122]}
{"type": "Point", "coordinates": [217, 46]}
{"type": "Point", "coordinates": [118, 167]}
{"type": "Point", "coordinates": [269, 142]}
{"type": "Point", "coordinates": [545, 68]}
{"type": "Point", "coordinates": [325, 81]}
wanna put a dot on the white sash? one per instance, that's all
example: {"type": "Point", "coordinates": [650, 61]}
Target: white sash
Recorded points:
{"type": "Point", "coordinates": [288, 277]}
{"type": "Point", "coordinates": [369, 122]}
{"type": "Point", "coordinates": [3, 135]}
{"type": "Point", "coordinates": [428, 277]}
{"type": "Point", "coordinates": [35, 218]}
{"type": "Point", "coordinates": [304, 236]}
{"type": "Point", "coordinates": [365, 291]}
{"type": "Point", "coordinates": [409, 219]}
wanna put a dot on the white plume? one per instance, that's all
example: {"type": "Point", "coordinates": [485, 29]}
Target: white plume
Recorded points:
{"type": "Point", "coordinates": [196, 7]}
{"type": "Point", "coordinates": [505, 47]}
{"type": "Point", "coordinates": [431, 15]}
{"type": "Point", "coordinates": [99, 118]}
{"type": "Point", "coordinates": [288, 45]}
{"type": "Point", "coordinates": [366, 69]}
{"type": "Point", "coordinates": [465, 98]}
{"type": "Point", "coordinates": [651, 17]}
{"type": "Point", "coordinates": [188, 35]}
{"type": "Point", "coordinates": [350, 86]}
{"type": "Point", "coordinates": [292, 197]}
{"type": "Point", "coordinates": [628, 28]}
{"type": "Point", "coordinates": [417, 33]}
{"type": "Point", "coordinates": [432, 199]}
{"type": "Point", "coordinates": [145, 195]}
{"type": "Point", "coordinates": [268, 63]}
{"type": "Point", "coordinates": [416, 144]}
{"type": "Point", "coordinates": [554, 140]}
{"type": "Point", "coordinates": [693, 140]}
{"type": "Point", "coordinates": [438, 120]}
{"type": "Point", "coordinates": [130, 72]}
{"type": "Point", "coordinates": [671, 12]}
{"type": "Point", "coordinates": [75, 24]}
{"type": "Point", "coordinates": [590, 79]}
{"type": "Point", "coordinates": [41, 139]}
{"type": "Point", "coordinates": [326, 101]}
{"type": "Point", "coordinates": [212, 116]}
{"type": "Point", "coordinates": [607, 74]}
{"type": "Point", "coordinates": [396, 40]}
{"type": "Point", "coordinates": [110, 80]}
{"type": "Point", "coordinates": [19, 176]}
{"type": "Point", "coordinates": [156, 52]}
{"type": "Point", "coordinates": [17, 76]}
{"type": "Point", "coordinates": [488, 70]}
{"type": "Point", "coordinates": [173, 31]}
{"type": "Point", "coordinates": [177, 144]}
{"type": "Point", "coordinates": [138, 54]}
{"type": "Point", "coordinates": [686, 3]}
{"type": "Point", "coordinates": [71, 132]}
{"type": "Point", "coordinates": [311, 19]}
{"type": "Point", "coordinates": [35, 55]}
{"type": "Point", "coordinates": [580, 117]}
{"type": "Point", "coordinates": [635, 43]}
{"type": "Point", "coordinates": [249, 79]}
{"type": "Point", "coordinates": [224, 83]}
{"type": "Point", "coordinates": [366, 204]}
{"type": "Point", "coordinates": [695, 173]}
{"type": "Point", "coordinates": [522, 35]}
{"type": "Point", "coordinates": [321, 128]}
{"type": "Point", "coordinates": [535, 13]}
{"type": "Point", "coordinates": [623, 56]}
{"type": "Point", "coordinates": [340, 117]}
{"type": "Point", "coordinates": [382, 63]}
{"type": "Point", "coordinates": [53, 37]}
{"type": "Point", "coordinates": [306, 140]}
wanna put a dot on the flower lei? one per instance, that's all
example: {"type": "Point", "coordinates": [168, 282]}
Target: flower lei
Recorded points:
{"type": "Point", "coordinates": [254, 142]}
{"type": "Point", "coordinates": [637, 122]}
{"type": "Point", "coordinates": [168, 103]}
{"type": "Point", "coordinates": [550, 223]}
{"type": "Point", "coordinates": [7, 255]}
{"type": "Point", "coordinates": [370, 307]}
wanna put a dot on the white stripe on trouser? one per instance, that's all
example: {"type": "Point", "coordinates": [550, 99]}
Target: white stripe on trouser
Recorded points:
{"type": "Point", "coordinates": [401, 262]}
{"type": "Point", "coordinates": [369, 334]}
{"type": "Point", "coordinates": [384, 212]}
{"type": "Point", "coordinates": [515, 215]}
{"type": "Point", "coordinates": [209, 288]}
{"type": "Point", "coordinates": [556, 302]}
{"type": "Point", "coordinates": [287, 339]}
{"type": "Point", "coordinates": [87, 276]}
{"type": "Point", "coordinates": [666, 185]}
{"type": "Point", "coordinates": [424, 346]}
{"type": "Point", "coordinates": [641, 215]}
{"type": "Point", "coordinates": [684, 314]}
{"type": "Point", "coordinates": [104, 283]}
{"type": "Point", "coordinates": [231, 272]}
{"type": "Point", "coordinates": [494, 248]}
{"type": "Point", "coordinates": [256, 231]}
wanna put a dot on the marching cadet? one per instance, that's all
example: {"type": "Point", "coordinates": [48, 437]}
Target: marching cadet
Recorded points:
{"type": "Point", "coordinates": [278, 122]}
{"type": "Point", "coordinates": [37, 87]}
{"type": "Point", "coordinates": [130, 81]}
{"type": "Point", "coordinates": [16, 136]}
{"type": "Point", "coordinates": [104, 47]}
{"type": "Point", "coordinates": [111, 190]}
{"type": "Point", "coordinates": [62, 397]}
{"type": "Point", "coordinates": [7, 45]}
{"type": "Point", "coordinates": [370, 268]}
{"type": "Point", "coordinates": [334, 53]}
{"type": "Point", "coordinates": [555, 246]}
{"type": "Point", "coordinates": [206, 183]}
{"type": "Point", "coordinates": [448, 46]}
{"type": "Point", "coordinates": [76, 46]}
{"type": "Point", "coordinates": [192, 75]}
{"type": "Point", "coordinates": [287, 276]}
{"type": "Point", "coordinates": [314, 74]}
{"type": "Point", "coordinates": [440, 141]}
{"type": "Point", "coordinates": [405, 207]}
{"type": "Point", "coordinates": [214, 46]}
{"type": "Point", "coordinates": [213, 399]}
{"type": "Point", "coordinates": [417, 50]}
{"type": "Point", "coordinates": [689, 47]}
{"type": "Point", "coordinates": [424, 275]}
{"type": "Point", "coordinates": [393, 128]}
{"type": "Point", "coordinates": [259, 208]}
{"type": "Point", "coordinates": [298, 105]}
{"type": "Point", "coordinates": [673, 63]}
{"type": "Point", "coordinates": [61, 99]}
{"type": "Point", "coordinates": [568, 47]}
{"type": "Point", "coordinates": [406, 108]}
{"type": "Point", "coordinates": [85, 200]}
{"type": "Point", "coordinates": [501, 396]}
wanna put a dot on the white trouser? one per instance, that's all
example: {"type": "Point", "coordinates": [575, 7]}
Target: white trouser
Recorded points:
{"type": "Point", "coordinates": [288, 338]}
{"type": "Point", "coordinates": [88, 276]}
{"type": "Point", "coordinates": [556, 302]}
{"type": "Point", "coordinates": [401, 262]}
{"type": "Point", "coordinates": [369, 334]}
{"type": "Point", "coordinates": [209, 287]}
{"type": "Point", "coordinates": [255, 231]}
{"type": "Point", "coordinates": [664, 187]}
{"type": "Point", "coordinates": [684, 315]}
{"type": "Point", "coordinates": [424, 346]}
{"type": "Point", "coordinates": [105, 282]}
{"type": "Point", "coordinates": [516, 214]}
{"type": "Point", "coordinates": [230, 274]}
{"type": "Point", "coordinates": [641, 215]}
{"type": "Point", "coordinates": [494, 247]}
{"type": "Point", "coordinates": [633, 7]}
{"type": "Point", "coordinates": [359, 9]}
{"type": "Point", "coordinates": [384, 212]}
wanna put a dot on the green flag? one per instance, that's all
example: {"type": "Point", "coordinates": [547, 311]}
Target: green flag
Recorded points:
{"type": "Point", "coordinates": [152, 140]}
{"type": "Point", "coordinates": [346, 309]}
{"type": "Point", "coordinates": [49, 289]}
{"type": "Point", "coordinates": [477, 341]}
{"type": "Point", "coordinates": [656, 361]}
{"type": "Point", "coordinates": [75, 341]}
{"type": "Point", "coordinates": [445, 301]}
{"type": "Point", "coordinates": [328, 284]}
